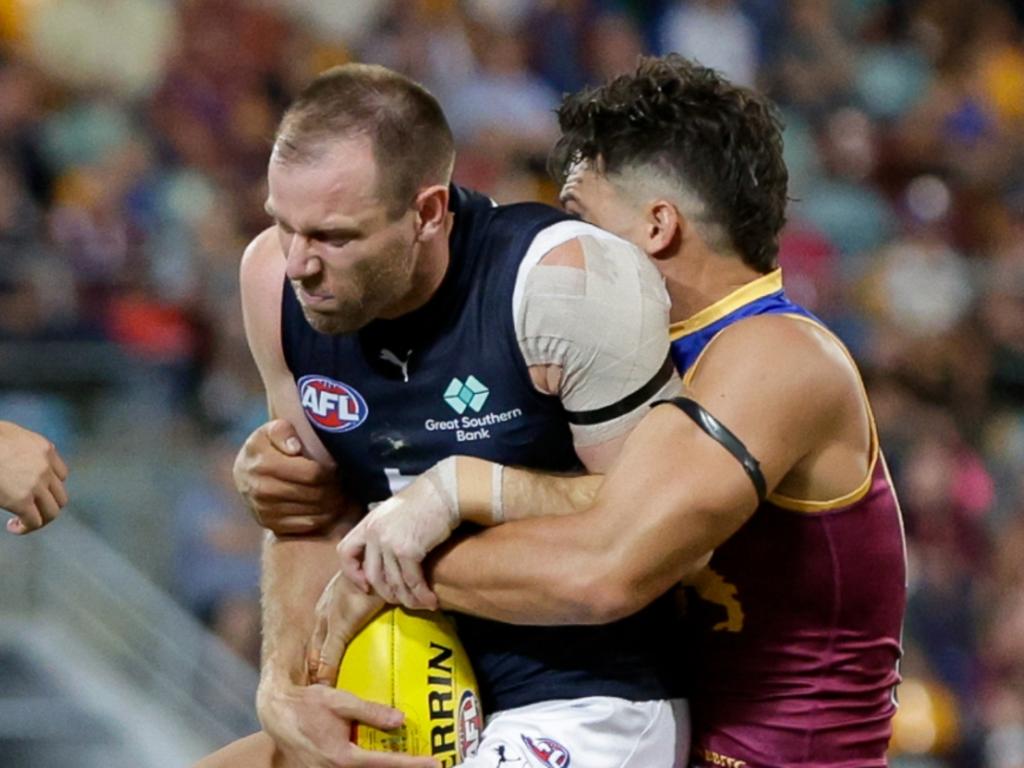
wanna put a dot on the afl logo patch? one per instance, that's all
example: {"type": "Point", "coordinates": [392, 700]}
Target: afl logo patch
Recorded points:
{"type": "Point", "coordinates": [470, 724]}
{"type": "Point", "coordinates": [331, 405]}
{"type": "Point", "coordinates": [548, 751]}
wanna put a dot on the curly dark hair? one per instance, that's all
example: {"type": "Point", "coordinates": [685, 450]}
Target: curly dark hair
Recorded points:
{"type": "Point", "coordinates": [722, 141]}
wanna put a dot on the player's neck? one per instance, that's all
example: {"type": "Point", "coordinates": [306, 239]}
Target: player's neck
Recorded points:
{"type": "Point", "coordinates": [698, 280]}
{"type": "Point", "coordinates": [432, 259]}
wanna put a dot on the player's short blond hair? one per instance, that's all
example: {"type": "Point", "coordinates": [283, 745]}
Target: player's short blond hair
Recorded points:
{"type": "Point", "coordinates": [412, 142]}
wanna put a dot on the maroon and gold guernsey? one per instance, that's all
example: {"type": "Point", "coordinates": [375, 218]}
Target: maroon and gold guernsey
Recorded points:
{"type": "Point", "coordinates": [796, 621]}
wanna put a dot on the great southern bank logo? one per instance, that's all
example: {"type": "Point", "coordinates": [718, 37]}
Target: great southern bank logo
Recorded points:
{"type": "Point", "coordinates": [331, 405]}
{"type": "Point", "coordinates": [467, 398]}
{"type": "Point", "coordinates": [470, 394]}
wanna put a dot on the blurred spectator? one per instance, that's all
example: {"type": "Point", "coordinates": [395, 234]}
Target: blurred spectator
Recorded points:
{"type": "Point", "coordinates": [20, 113]}
{"type": "Point", "coordinates": [217, 550]}
{"type": "Point", "coordinates": [815, 70]}
{"type": "Point", "coordinates": [20, 222]}
{"type": "Point", "coordinates": [505, 105]}
{"type": "Point", "coordinates": [123, 48]}
{"type": "Point", "coordinates": [430, 40]}
{"type": "Point", "coordinates": [558, 42]}
{"type": "Point", "coordinates": [613, 46]}
{"type": "Point", "coordinates": [717, 33]}
{"type": "Point", "coordinates": [1003, 317]}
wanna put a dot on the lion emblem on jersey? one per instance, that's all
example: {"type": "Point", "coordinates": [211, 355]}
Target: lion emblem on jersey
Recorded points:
{"type": "Point", "coordinates": [712, 588]}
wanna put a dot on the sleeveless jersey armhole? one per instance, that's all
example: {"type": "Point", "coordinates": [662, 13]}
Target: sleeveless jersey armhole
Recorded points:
{"type": "Point", "coordinates": [811, 505]}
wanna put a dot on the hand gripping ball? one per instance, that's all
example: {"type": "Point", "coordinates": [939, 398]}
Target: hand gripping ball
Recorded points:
{"type": "Point", "coordinates": [413, 661]}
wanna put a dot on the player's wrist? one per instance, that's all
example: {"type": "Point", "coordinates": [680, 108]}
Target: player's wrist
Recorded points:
{"type": "Point", "coordinates": [479, 490]}
{"type": "Point", "coordinates": [270, 700]}
{"type": "Point", "coordinates": [470, 488]}
{"type": "Point", "coordinates": [277, 675]}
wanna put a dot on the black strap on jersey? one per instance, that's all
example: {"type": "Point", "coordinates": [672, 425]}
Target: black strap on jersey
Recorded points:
{"type": "Point", "coordinates": [721, 434]}
{"type": "Point", "coordinates": [629, 402]}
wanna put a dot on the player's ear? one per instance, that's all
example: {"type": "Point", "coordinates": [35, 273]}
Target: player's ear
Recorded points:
{"type": "Point", "coordinates": [431, 210]}
{"type": "Point", "coordinates": [664, 228]}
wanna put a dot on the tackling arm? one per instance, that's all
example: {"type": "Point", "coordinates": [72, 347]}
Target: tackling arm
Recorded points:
{"type": "Point", "coordinates": [673, 496]}
{"type": "Point", "coordinates": [525, 493]}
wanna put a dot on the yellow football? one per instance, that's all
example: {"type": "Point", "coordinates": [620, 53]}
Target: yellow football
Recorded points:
{"type": "Point", "coordinates": [413, 661]}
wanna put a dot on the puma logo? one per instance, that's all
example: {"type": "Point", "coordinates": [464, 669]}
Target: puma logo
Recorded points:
{"type": "Point", "coordinates": [502, 759]}
{"type": "Point", "coordinates": [390, 357]}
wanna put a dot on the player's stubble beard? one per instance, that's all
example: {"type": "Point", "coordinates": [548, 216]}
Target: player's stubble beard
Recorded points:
{"type": "Point", "coordinates": [366, 290]}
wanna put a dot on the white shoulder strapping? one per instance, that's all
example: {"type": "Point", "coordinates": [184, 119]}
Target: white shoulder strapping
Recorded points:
{"type": "Point", "coordinates": [605, 325]}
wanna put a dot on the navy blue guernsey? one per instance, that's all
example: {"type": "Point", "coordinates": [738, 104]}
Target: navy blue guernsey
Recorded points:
{"type": "Point", "coordinates": [393, 399]}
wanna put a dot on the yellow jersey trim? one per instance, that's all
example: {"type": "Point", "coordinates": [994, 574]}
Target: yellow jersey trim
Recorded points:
{"type": "Point", "coordinates": [688, 376]}
{"type": "Point", "coordinates": [810, 507]}
{"type": "Point", "coordinates": [752, 291]}
{"type": "Point", "coordinates": [858, 493]}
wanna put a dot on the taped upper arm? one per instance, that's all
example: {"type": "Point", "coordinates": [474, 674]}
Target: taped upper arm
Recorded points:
{"type": "Point", "coordinates": [594, 318]}
{"type": "Point", "coordinates": [261, 278]}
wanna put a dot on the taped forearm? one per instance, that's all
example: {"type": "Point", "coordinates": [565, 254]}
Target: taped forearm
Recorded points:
{"type": "Point", "coordinates": [488, 493]}
{"type": "Point", "coordinates": [295, 572]}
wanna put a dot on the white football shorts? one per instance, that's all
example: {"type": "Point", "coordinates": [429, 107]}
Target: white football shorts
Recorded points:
{"type": "Point", "coordinates": [593, 732]}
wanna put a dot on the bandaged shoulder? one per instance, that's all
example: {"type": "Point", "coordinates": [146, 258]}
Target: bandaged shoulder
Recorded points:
{"type": "Point", "coordinates": [604, 323]}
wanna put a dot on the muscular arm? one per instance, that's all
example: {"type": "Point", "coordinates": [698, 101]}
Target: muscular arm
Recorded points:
{"type": "Point", "coordinates": [295, 572]}
{"type": "Point", "coordinates": [526, 493]}
{"type": "Point", "coordinates": [308, 724]}
{"type": "Point", "coordinates": [295, 568]}
{"type": "Point", "coordinates": [674, 494]}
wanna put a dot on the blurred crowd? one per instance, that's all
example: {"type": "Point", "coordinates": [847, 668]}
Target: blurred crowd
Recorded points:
{"type": "Point", "coordinates": [133, 141]}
